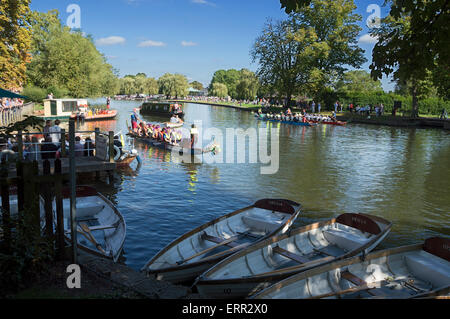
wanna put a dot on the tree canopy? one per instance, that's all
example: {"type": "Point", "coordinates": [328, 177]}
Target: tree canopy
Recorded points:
{"type": "Point", "coordinates": [358, 81]}
{"type": "Point", "coordinates": [218, 89]}
{"type": "Point", "coordinates": [67, 60]}
{"type": "Point", "coordinates": [173, 85]}
{"type": "Point", "coordinates": [308, 50]}
{"type": "Point", "coordinates": [15, 42]}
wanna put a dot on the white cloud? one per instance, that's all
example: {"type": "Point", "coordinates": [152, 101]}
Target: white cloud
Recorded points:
{"type": "Point", "coordinates": [151, 43]}
{"type": "Point", "coordinates": [203, 2]}
{"type": "Point", "coordinates": [110, 40]}
{"type": "Point", "coordinates": [367, 38]}
{"type": "Point", "coordinates": [188, 43]}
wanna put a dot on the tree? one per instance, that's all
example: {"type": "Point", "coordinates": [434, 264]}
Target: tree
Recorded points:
{"type": "Point", "coordinates": [358, 81]}
{"type": "Point", "coordinates": [173, 85]}
{"type": "Point", "coordinates": [127, 85]}
{"type": "Point", "coordinates": [219, 90]}
{"type": "Point", "coordinates": [151, 86]}
{"type": "Point", "coordinates": [15, 42]}
{"type": "Point", "coordinates": [196, 85]}
{"type": "Point", "coordinates": [67, 60]}
{"type": "Point", "coordinates": [228, 77]}
{"type": "Point", "coordinates": [311, 48]}
{"type": "Point", "coordinates": [248, 85]}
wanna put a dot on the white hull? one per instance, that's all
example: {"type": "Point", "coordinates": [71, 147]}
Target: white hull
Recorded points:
{"type": "Point", "coordinates": [198, 250]}
{"type": "Point", "coordinates": [274, 259]}
{"type": "Point", "coordinates": [404, 272]}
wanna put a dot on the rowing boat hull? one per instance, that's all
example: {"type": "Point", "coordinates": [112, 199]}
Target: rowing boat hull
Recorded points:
{"type": "Point", "coordinates": [287, 122]}
{"type": "Point", "coordinates": [111, 115]}
{"type": "Point", "coordinates": [171, 147]}
{"type": "Point", "coordinates": [414, 271]}
{"type": "Point", "coordinates": [255, 268]}
{"type": "Point", "coordinates": [93, 206]}
{"type": "Point", "coordinates": [126, 161]}
{"type": "Point", "coordinates": [190, 255]}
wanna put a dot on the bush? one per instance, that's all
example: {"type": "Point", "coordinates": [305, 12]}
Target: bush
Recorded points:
{"type": "Point", "coordinates": [35, 94]}
{"type": "Point", "coordinates": [58, 93]}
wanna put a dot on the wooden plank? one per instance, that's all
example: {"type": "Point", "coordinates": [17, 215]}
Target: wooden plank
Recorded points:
{"type": "Point", "coordinates": [230, 242]}
{"type": "Point", "coordinates": [360, 282]}
{"type": "Point", "coordinates": [288, 254]}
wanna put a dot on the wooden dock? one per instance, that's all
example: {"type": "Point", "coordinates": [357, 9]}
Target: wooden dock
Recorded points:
{"type": "Point", "coordinates": [82, 164]}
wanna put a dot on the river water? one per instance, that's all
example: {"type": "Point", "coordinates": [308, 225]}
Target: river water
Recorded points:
{"type": "Point", "coordinates": [400, 174]}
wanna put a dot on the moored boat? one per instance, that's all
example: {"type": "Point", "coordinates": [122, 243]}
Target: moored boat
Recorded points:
{"type": "Point", "coordinates": [101, 227]}
{"type": "Point", "coordinates": [104, 115]}
{"type": "Point", "coordinates": [196, 251]}
{"type": "Point", "coordinates": [286, 122]}
{"type": "Point", "coordinates": [276, 258]}
{"type": "Point", "coordinates": [413, 271]}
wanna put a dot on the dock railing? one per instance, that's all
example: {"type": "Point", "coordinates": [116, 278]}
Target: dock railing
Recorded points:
{"type": "Point", "coordinates": [32, 146]}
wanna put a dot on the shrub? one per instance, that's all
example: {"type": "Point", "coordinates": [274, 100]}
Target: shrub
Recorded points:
{"type": "Point", "coordinates": [35, 93]}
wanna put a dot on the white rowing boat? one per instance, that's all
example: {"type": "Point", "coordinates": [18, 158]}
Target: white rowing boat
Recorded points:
{"type": "Point", "coordinates": [276, 258]}
{"type": "Point", "coordinates": [196, 251]}
{"type": "Point", "coordinates": [415, 271]}
{"type": "Point", "coordinates": [101, 227]}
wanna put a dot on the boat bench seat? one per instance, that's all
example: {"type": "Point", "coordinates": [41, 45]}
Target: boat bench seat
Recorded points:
{"type": "Point", "coordinates": [84, 210]}
{"type": "Point", "coordinates": [260, 224]}
{"type": "Point", "coordinates": [344, 239]}
{"type": "Point", "coordinates": [425, 268]}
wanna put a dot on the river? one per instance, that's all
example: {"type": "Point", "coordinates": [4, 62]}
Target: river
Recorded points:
{"type": "Point", "coordinates": [400, 174]}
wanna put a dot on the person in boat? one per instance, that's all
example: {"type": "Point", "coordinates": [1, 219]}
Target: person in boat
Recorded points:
{"type": "Point", "coordinates": [174, 119]}
{"type": "Point", "coordinates": [134, 125]}
{"type": "Point", "coordinates": [194, 135]}
{"type": "Point", "coordinates": [288, 112]}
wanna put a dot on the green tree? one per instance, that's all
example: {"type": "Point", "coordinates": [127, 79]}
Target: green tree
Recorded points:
{"type": "Point", "coordinates": [219, 90]}
{"type": "Point", "coordinates": [67, 60]}
{"type": "Point", "coordinates": [228, 77]}
{"type": "Point", "coordinates": [127, 85]}
{"type": "Point", "coordinates": [15, 42]}
{"type": "Point", "coordinates": [248, 85]}
{"type": "Point", "coordinates": [358, 81]}
{"type": "Point", "coordinates": [196, 85]}
{"type": "Point", "coordinates": [311, 48]}
{"type": "Point", "coordinates": [173, 85]}
{"type": "Point", "coordinates": [151, 86]}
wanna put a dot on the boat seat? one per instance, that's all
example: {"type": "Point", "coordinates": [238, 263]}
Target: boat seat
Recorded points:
{"type": "Point", "coordinates": [262, 225]}
{"type": "Point", "coordinates": [290, 255]}
{"type": "Point", "coordinates": [218, 240]}
{"type": "Point", "coordinates": [84, 210]}
{"type": "Point", "coordinates": [429, 270]}
{"type": "Point", "coordinates": [360, 282]}
{"type": "Point", "coordinates": [344, 239]}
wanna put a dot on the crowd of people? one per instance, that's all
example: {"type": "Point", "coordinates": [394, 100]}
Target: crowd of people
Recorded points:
{"type": "Point", "coordinates": [298, 117]}
{"type": "Point", "coordinates": [155, 131]}
{"type": "Point", "coordinates": [48, 146]}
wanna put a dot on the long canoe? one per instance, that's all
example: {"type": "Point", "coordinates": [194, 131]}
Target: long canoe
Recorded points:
{"type": "Point", "coordinates": [287, 122]}
{"type": "Point", "coordinates": [414, 271]}
{"type": "Point", "coordinates": [181, 148]}
{"type": "Point", "coordinates": [196, 251]}
{"type": "Point", "coordinates": [274, 259]}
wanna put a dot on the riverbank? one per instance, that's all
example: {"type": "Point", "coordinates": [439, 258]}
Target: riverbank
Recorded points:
{"type": "Point", "coordinates": [101, 279]}
{"type": "Point", "coordinates": [389, 120]}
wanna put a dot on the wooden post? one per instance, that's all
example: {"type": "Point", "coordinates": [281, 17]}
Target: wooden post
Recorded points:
{"type": "Point", "coordinates": [97, 134]}
{"type": "Point", "coordinates": [5, 204]}
{"type": "Point", "coordinates": [47, 196]}
{"type": "Point", "coordinates": [20, 187]}
{"type": "Point", "coordinates": [72, 180]}
{"type": "Point", "coordinates": [60, 245]}
{"type": "Point", "coordinates": [111, 146]}
{"type": "Point", "coordinates": [20, 145]}
{"type": "Point", "coordinates": [63, 143]}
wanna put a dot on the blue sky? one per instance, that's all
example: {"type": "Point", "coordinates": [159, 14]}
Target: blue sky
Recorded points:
{"type": "Point", "coordinates": [191, 37]}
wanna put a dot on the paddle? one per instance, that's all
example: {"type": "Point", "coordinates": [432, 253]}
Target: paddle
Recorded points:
{"type": "Point", "coordinates": [346, 291]}
{"type": "Point", "coordinates": [88, 232]}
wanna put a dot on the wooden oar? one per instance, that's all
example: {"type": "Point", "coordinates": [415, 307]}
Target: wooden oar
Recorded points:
{"type": "Point", "coordinates": [88, 232]}
{"type": "Point", "coordinates": [225, 242]}
{"type": "Point", "coordinates": [346, 291]}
